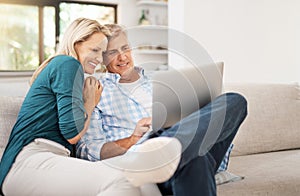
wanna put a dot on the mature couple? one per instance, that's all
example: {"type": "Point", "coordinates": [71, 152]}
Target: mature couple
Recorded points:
{"type": "Point", "coordinates": [59, 110]}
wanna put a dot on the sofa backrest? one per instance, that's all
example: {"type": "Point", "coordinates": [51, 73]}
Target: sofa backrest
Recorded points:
{"type": "Point", "coordinates": [272, 124]}
{"type": "Point", "coordinates": [9, 109]}
{"type": "Point", "coordinates": [273, 121]}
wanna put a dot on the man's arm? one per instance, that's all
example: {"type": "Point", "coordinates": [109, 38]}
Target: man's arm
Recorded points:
{"type": "Point", "coordinates": [93, 145]}
{"type": "Point", "coordinates": [119, 147]}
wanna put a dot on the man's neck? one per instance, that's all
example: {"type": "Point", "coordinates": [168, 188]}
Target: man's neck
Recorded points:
{"type": "Point", "coordinates": [132, 77]}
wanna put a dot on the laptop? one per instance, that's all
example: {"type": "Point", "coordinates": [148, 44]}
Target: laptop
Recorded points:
{"type": "Point", "coordinates": [179, 93]}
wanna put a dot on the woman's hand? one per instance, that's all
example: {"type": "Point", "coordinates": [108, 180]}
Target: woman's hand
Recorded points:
{"type": "Point", "coordinates": [98, 92]}
{"type": "Point", "coordinates": [91, 94]}
{"type": "Point", "coordinates": [90, 89]}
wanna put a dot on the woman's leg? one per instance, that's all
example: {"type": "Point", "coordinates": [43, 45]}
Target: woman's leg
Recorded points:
{"type": "Point", "coordinates": [46, 170]}
{"type": "Point", "coordinates": [153, 161]}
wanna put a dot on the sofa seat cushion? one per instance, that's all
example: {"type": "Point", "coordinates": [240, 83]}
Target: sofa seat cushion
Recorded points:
{"type": "Point", "coordinates": [275, 173]}
{"type": "Point", "coordinates": [9, 109]}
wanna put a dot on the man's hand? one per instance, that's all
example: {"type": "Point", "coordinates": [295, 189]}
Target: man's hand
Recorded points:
{"type": "Point", "coordinates": [119, 147]}
{"type": "Point", "coordinates": [142, 126]}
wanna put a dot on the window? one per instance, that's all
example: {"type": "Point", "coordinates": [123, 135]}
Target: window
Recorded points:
{"type": "Point", "coordinates": [30, 30]}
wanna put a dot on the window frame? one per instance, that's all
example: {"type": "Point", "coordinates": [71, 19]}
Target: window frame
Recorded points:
{"type": "Point", "coordinates": [41, 4]}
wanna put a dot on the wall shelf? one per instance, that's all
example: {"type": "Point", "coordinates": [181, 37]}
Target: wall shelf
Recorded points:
{"type": "Point", "coordinates": [154, 3]}
{"type": "Point", "coordinates": [151, 38]}
{"type": "Point", "coordinates": [153, 27]}
{"type": "Point", "coordinates": [144, 51]}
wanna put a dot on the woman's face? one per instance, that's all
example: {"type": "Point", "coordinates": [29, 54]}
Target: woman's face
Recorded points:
{"type": "Point", "coordinates": [90, 51]}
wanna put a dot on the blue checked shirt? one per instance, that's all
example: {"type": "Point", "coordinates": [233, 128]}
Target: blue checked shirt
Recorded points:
{"type": "Point", "coordinates": [116, 116]}
{"type": "Point", "coordinates": [224, 164]}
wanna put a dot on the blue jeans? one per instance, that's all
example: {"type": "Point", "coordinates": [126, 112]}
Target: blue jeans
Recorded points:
{"type": "Point", "coordinates": [205, 136]}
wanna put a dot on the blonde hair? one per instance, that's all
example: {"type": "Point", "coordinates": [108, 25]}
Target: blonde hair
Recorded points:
{"type": "Point", "coordinates": [78, 31]}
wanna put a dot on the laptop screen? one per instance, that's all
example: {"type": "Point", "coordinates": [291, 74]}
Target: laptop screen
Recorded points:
{"type": "Point", "coordinates": [179, 93]}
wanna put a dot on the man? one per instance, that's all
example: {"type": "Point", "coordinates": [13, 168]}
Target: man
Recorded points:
{"type": "Point", "coordinates": [127, 98]}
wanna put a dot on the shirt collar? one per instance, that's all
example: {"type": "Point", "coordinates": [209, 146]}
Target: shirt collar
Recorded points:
{"type": "Point", "coordinates": [115, 77]}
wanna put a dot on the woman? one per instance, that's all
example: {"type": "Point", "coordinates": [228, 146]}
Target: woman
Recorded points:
{"type": "Point", "coordinates": [55, 114]}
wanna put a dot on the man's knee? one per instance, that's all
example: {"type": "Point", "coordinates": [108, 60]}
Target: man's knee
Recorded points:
{"type": "Point", "coordinates": [236, 100]}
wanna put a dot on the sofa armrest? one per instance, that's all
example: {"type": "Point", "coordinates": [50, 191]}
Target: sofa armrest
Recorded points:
{"type": "Point", "coordinates": [9, 109]}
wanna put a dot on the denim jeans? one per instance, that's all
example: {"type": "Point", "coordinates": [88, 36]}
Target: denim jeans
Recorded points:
{"type": "Point", "coordinates": [205, 136]}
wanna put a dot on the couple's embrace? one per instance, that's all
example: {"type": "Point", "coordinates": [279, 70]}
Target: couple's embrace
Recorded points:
{"type": "Point", "coordinates": [59, 111]}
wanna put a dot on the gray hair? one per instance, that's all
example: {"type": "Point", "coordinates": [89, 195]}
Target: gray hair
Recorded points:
{"type": "Point", "coordinates": [115, 30]}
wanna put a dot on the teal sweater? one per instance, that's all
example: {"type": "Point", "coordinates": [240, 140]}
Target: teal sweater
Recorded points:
{"type": "Point", "coordinates": [53, 109]}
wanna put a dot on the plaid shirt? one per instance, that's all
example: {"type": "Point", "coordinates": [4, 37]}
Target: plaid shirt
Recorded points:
{"type": "Point", "coordinates": [115, 117]}
{"type": "Point", "coordinates": [224, 164]}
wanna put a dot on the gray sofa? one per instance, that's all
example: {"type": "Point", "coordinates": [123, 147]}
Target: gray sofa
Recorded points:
{"type": "Point", "coordinates": [267, 146]}
{"type": "Point", "coordinates": [9, 109]}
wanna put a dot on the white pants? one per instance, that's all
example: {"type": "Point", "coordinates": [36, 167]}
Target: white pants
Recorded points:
{"type": "Point", "coordinates": [45, 168]}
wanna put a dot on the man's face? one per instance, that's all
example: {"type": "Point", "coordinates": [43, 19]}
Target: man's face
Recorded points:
{"type": "Point", "coordinates": [117, 57]}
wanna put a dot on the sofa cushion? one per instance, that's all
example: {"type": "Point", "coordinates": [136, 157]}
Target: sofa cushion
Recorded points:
{"type": "Point", "coordinates": [226, 177]}
{"type": "Point", "coordinates": [9, 109]}
{"type": "Point", "coordinates": [273, 121]}
{"type": "Point", "coordinates": [275, 174]}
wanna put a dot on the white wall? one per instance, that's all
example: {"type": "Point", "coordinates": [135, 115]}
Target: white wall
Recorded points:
{"type": "Point", "coordinates": [127, 12]}
{"type": "Point", "coordinates": [259, 40]}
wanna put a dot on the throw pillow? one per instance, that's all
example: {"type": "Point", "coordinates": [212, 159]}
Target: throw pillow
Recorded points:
{"type": "Point", "coordinates": [226, 177]}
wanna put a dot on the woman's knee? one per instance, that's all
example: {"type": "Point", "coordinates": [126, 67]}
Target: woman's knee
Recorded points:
{"type": "Point", "coordinates": [120, 186]}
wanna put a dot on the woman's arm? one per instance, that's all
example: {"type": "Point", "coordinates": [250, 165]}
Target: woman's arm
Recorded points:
{"type": "Point", "coordinates": [91, 96]}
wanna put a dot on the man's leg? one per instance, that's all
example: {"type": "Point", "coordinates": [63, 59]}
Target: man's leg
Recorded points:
{"type": "Point", "coordinates": [210, 129]}
{"type": "Point", "coordinates": [238, 107]}
{"type": "Point", "coordinates": [189, 179]}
